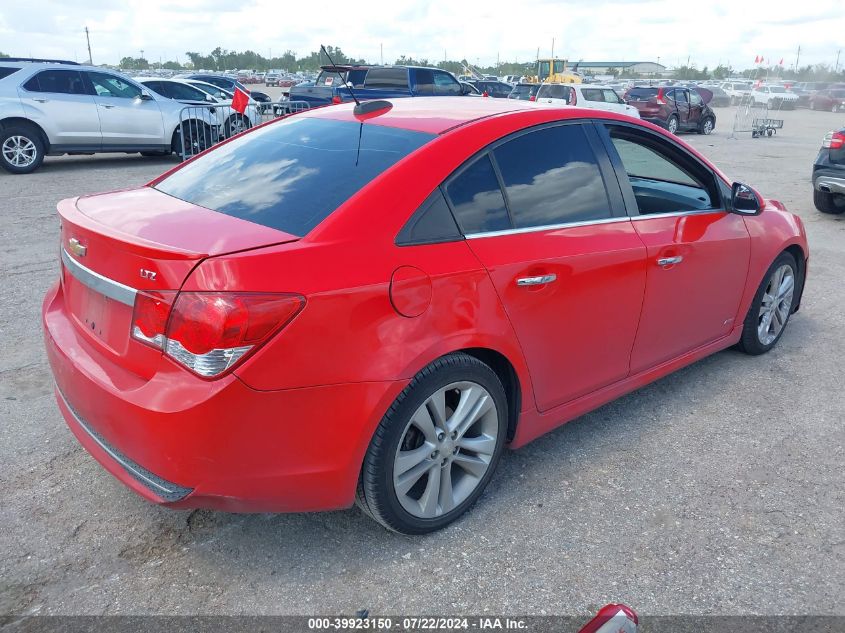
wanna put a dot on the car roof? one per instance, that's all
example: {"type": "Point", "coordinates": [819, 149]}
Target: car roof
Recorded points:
{"type": "Point", "coordinates": [433, 115]}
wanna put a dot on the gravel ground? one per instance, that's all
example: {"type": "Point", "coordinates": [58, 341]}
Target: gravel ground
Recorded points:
{"type": "Point", "coordinates": [717, 490]}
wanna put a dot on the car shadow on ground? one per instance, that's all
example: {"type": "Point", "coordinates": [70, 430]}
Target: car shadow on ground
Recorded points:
{"type": "Point", "coordinates": [612, 432]}
{"type": "Point", "coordinates": [62, 164]}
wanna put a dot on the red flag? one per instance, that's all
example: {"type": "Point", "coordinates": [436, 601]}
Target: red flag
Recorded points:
{"type": "Point", "coordinates": [756, 59]}
{"type": "Point", "coordinates": [240, 100]}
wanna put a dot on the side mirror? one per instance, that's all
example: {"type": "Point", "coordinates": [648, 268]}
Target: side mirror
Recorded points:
{"type": "Point", "coordinates": [744, 200]}
{"type": "Point", "coordinates": [145, 96]}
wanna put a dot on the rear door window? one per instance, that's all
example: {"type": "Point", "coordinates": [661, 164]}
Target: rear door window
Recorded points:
{"type": "Point", "coordinates": [69, 82]}
{"type": "Point", "coordinates": [290, 175]}
{"type": "Point", "coordinates": [5, 71]}
{"type": "Point", "coordinates": [424, 81]}
{"type": "Point", "coordinates": [551, 176]}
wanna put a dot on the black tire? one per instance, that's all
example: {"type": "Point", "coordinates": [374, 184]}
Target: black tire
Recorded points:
{"type": "Point", "coordinates": [750, 342]}
{"type": "Point", "coordinates": [236, 124]}
{"type": "Point", "coordinates": [677, 124]}
{"type": "Point", "coordinates": [376, 495]}
{"type": "Point", "coordinates": [199, 137]}
{"type": "Point", "coordinates": [829, 202]}
{"type": "Point", "coordinates": [17, 135]}
{"type": "Point", "coordinates": [703, 128]}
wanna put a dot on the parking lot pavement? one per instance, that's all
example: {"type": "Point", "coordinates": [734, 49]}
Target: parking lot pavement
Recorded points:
{"type": "Point", "coordinates": [717, 490]}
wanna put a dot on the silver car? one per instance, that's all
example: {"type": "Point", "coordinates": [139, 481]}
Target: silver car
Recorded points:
{"type": "Point", "coordinates": [52, 107]}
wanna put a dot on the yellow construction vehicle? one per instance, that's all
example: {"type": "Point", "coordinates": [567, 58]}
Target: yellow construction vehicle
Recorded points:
{"type": "Point", "coordinates": [554, 71]}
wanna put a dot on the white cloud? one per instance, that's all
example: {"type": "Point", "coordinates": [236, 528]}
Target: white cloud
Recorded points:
{"type": "Point", "coordinates": [478, 30]}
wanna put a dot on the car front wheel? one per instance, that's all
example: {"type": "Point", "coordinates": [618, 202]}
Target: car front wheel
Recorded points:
{"type": "Point", "coordinates": [766, 320]}
{"type": "Point", "coordinates": [436, 448]}
{"type": "Point", "coordinates": [21, 149]}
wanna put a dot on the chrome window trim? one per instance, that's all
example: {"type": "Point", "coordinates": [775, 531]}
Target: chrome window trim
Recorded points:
{"type": "Point", "coordinates": [675, 214]}
{"type": "Point", "coordinates": [96, 282]}
{"type": "Point", "coordinates": [567, 225]}
{"type": "Point", "coordinates": [546, 227]}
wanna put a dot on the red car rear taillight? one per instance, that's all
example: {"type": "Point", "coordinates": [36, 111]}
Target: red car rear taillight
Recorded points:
{"type": "Point", "coordinates": [660, 99]}
{"type": "Point", "coordinates": [834, 140]}
{"type": "Point", "coordinates": [209, 332]}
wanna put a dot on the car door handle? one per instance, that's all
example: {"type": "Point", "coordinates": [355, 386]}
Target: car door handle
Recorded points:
{"type": "Point", "coordinates": [668, 261]}
{"type": "Point", "coordinates": [106, 105]}
{"type": "Point", "coordinates": [40, 99]}
{"type": "Point", "coordinates": [536, 281]}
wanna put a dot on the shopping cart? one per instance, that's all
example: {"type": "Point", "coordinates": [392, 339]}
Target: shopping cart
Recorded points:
{"type": "Point", "coordinates": [765, 127]}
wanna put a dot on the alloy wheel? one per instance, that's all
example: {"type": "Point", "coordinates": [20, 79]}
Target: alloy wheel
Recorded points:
{"type": "Point", "coordinates": [708, 126]}
{"type": "Point", "coordinates": [446, 449]}
{"type": "Point", "coordinates": [19, 151]}
{"type": "Point", "coordinates": [776, 304]}
{"type": "Point", "coordinates": [673, 125]}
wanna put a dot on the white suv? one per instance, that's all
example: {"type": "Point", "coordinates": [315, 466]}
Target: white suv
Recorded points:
{"type": "Point", "coordinates": [775, 97]}
{"type": "Point", "coordinates": [50, 107]}
{"type": "Point", "coordinates": [585, 96]}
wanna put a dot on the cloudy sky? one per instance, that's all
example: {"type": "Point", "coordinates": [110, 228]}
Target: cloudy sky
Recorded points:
{"type": "Point", "coordinates": [708, 32]}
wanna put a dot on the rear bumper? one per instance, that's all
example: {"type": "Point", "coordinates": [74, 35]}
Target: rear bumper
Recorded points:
{"type": "Point", "coordinates": [655, 121]}
{"type": "Point", "coordinates": [185, 442]}
{"type": "Point", "coordinates": [829, 180]}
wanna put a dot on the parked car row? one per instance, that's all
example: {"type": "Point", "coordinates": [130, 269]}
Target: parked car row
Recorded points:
{"type": "Point", "coordinates": [65, 108]}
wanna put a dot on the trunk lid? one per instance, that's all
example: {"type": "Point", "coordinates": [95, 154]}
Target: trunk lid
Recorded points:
{"type": "Point", "coordinates": [139, 239]}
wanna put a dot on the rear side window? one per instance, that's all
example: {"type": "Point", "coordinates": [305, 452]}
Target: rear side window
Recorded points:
{"type": "Point", "coordinates": [431, 223]}
{"type": "Point", "coordinates": [641, 94]}
{"type": "Point", "coordinates": [477, 199]}
{"type": "Point", "coordinates": [67, 82]}
{"type": "Point", "coordinates": [292, 174]}
{"type": "Point", "coordinates": [555, 91]}
{"type": "Point", "coordinates": [551, 176]}
{"type": "Point", "coordinates": [5, 71]}
{"type": "Point", "coordinates": [592, 94]}
{"type": "Point", "coordinates": [386, 78]}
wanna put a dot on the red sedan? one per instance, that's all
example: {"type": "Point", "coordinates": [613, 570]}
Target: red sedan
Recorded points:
{"type": "Point", "coordinates": [368, 304]}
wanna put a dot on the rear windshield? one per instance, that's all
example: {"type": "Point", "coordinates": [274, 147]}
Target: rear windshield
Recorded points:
{"type": "Point", "coordinates": [641, 94]}
{"type": "Point", "coordinates": [292, 174]}
{"type": "Point", "coordinates": [5, 71]}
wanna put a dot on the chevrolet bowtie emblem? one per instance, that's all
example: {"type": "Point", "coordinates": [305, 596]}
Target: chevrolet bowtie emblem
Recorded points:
{"type": "Point", "coordinates": [76, 248]}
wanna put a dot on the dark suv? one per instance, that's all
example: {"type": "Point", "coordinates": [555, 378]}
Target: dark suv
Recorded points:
{"type": "Point", "coordinates": [829, 174]}
{"type": "Point", "coordinates": [524, 92]}
{"type": "Point", "coordinates": [497, 89]}
{"type": "Point", "coordinates": [674, 108]}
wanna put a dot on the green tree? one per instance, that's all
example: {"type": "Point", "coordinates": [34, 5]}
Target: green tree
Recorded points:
{"type": "Point", "coordinates": [134, 63]}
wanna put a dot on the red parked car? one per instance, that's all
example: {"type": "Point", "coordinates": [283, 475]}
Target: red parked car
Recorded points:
{"type": "Point", "coordinates": [832, 100]}
{"type": "Point", "coordinates": [675, 108]}
{"type": "Point", "coordinates": [370, 303]}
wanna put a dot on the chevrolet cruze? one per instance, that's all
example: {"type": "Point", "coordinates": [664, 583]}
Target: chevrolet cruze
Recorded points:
{"type": "Point", "coordinates": [368, 303]}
